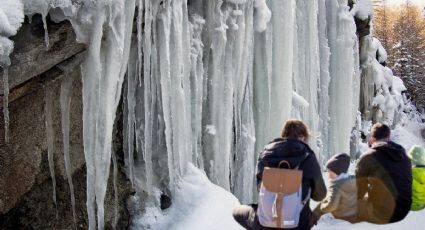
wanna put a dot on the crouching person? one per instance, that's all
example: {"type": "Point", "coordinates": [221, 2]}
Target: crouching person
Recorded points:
{"type": "Point", "coordinates": [291, 190]}
{"type": "Point", "coordinates": [341, 199]}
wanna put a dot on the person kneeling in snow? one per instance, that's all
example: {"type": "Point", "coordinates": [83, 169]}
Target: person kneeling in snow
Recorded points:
{"type": "Point", "coordinates": [291, 148]}
{"type": "Point", "coordinates": [417, 155]}
{"type": "Point", "coordinates": [384, 180]}
{"type": "Point", "coordinates": [341, 199]}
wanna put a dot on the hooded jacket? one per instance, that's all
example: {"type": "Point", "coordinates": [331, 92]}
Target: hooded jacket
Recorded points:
{"type": "Point", "coordinates": [384, 173]}
{"type": "Point", "coordinates": [294, 151]}
{"type": "Point", "coordinates": [418, 188]}
{"type": "Point", "coordinates": [341, 199]}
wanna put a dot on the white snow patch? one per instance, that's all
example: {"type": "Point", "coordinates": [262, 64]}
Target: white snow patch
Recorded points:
{"type": "Point", "coordinates": [362, 9]}
{"type": "Point", "coordinates": [198, 204]}
{"type": "Point", "coordinates": [11, 18]}
{"type": "Point", "coordinates": [211, 129]}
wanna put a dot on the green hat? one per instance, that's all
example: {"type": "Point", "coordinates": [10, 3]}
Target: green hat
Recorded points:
{"type": "Point", "coordinates": [417, 154]}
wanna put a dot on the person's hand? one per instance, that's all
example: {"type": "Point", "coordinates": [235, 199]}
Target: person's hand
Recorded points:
{"type": "Point", "coordinates": [314, 218]}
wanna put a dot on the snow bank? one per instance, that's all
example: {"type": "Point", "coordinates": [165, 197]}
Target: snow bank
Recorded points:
{"type": "Point", "coordinates": [412, 221]}
{"type": "Point", "coordinates": [198, 204]}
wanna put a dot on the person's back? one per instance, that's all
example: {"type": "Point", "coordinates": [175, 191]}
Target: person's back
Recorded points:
{"type": "Point", "coordinates": [293, 150]}
{"type": "Point", "coordinates": [384, 173]}
{"type": "Point", "coordinates": [347, 206]}
{"type": "Point", "coordinates": [417, 155]}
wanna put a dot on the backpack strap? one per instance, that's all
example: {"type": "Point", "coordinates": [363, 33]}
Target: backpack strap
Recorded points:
{"type": "Point", "coordinates": [304, 202]}
{"type": "Point", "coordinates": [287, 163]}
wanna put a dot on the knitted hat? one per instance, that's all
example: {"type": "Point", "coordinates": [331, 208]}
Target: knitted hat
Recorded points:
{"type": "Point", "coordinates": [417, 154]}
{"type": "Point", "coordinates": [339, 163]}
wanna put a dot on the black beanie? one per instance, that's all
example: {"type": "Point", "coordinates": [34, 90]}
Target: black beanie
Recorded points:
{"type": "Point", "coordinates": [339, 163]}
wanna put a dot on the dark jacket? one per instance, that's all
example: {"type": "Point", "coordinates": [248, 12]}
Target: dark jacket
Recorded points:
{"type": "Point", "coordinates": [294, 151]}
{"type": "Point", "coordinates": [341, 200]}
{"type": "Point", "coordinates": [384, 173]}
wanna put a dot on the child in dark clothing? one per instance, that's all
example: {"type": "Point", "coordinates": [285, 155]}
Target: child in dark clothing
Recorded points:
{"type": "Point", "coordinates": [341, 199]}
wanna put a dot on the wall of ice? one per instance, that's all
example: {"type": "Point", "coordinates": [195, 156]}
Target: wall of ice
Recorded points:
{"type": "Point", "coordinates": [211, 82]}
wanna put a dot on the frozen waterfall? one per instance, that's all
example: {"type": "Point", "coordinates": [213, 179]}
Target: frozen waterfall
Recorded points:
{"type": "Point", "coordinates": [210, 83]}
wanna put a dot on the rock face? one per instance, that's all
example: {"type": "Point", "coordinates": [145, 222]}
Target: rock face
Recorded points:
{"type": "Point", "coordinates": [26, 189]}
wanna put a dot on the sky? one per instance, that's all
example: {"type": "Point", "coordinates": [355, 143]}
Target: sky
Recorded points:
{"type": "Point", "coordinates": [397, 2]}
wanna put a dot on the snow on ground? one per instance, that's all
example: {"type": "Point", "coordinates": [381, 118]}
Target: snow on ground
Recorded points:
{"type": "Point", "coordinates": [199, 204]}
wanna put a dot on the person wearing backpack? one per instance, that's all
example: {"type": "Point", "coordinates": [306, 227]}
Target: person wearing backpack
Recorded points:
{"type": "Point", "coordinates": [292, 151]}
{"type": "Point", "coordinates": [341, 199]}
{"type": "Point", "coordinates": [384, 180]}
{"type": "Point", "coordinates": [417, 155]}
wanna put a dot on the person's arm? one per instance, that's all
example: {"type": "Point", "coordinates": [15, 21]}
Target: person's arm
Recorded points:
{"type": "Point", "coordinates": [260, 168]}
{"type": "Point", "coordinates": [332, 200]}
{"type": "Point", "coordinates": [318, 188]}
{"type": "Point", "coordinates": [362, 173]}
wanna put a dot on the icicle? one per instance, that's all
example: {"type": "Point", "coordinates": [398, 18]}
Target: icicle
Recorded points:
{"type": "Point", "coordinates": [65, 102]}
{"type": "Point", "coordinates": [46, 32]}
{"type": "Point", "coordinates": [6, 103]}
{"type": "Point", "coordinates": [103, 73]}
{"type": "Point", "coordinates": [50, 136]}
{"type": "Point", "coordinates": [146, 43]}
{"type": "Point", "coordinates": [115, 173]}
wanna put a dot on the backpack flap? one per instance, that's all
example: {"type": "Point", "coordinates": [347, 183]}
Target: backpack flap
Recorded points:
{"type": "Point", "coordinates": [284, 181]}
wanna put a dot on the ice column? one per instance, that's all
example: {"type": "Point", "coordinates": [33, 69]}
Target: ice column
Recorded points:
{"type": "Point", "coordinates": [243, 164]}
{"type": "Point", "coordinates": [344, 78]}
{"type": "Point", "coordinates": [323, 94]}
{"type": "Point", "coordinates": [273, 65]}
{"type": "Point", "coordinates": [307, 66]}
{"type": "Point", "coordinates": [103, 72]}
